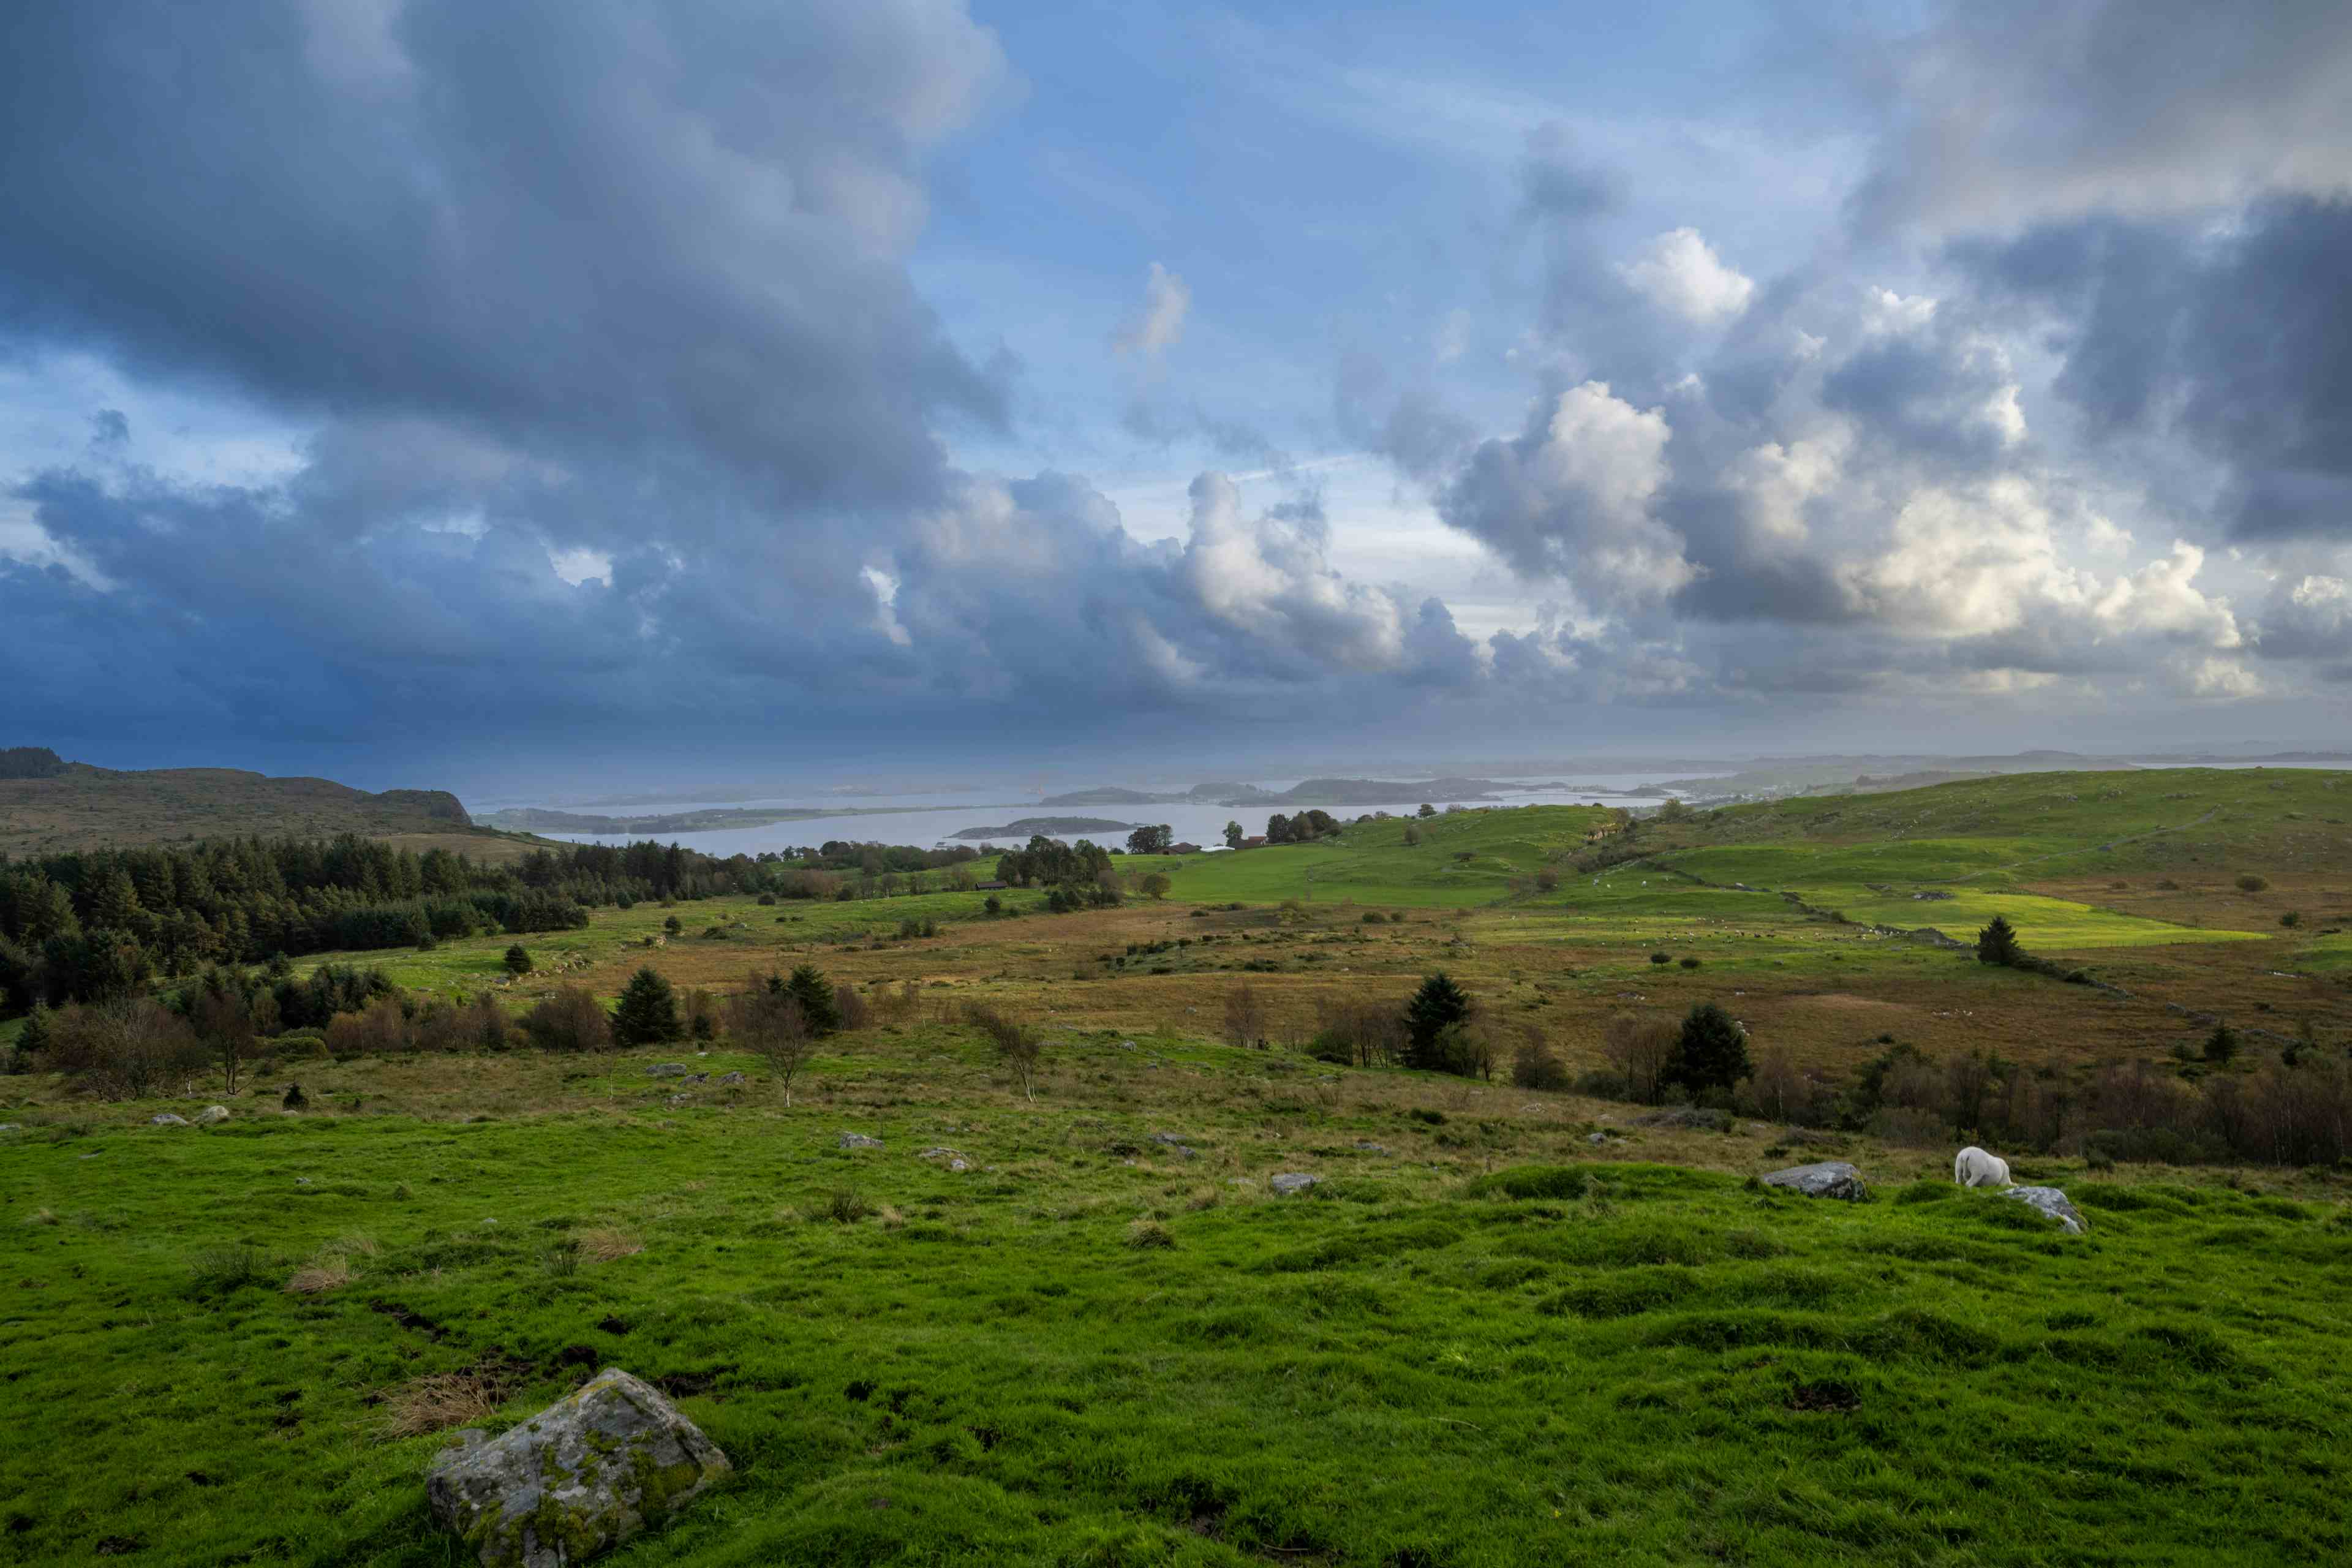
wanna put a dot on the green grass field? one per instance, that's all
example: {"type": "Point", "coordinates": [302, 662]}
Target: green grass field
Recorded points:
{"type": "Point", "coordinates": [1083, 1352]}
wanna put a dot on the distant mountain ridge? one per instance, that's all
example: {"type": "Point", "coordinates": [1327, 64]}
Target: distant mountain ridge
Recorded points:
{"type": "Point", "coordinates": [70, 806]}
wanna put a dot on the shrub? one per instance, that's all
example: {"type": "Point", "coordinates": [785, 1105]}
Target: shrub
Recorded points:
{"type": "Point", "coordinates": [2222, 1044]}
{"type": "Point", "coordinates": [851, 1008]}
{"type": "Point", "coordinates": [2251, 884]}
{"type": "Point", "coordinates": [2291, 918]}
{"type": "Point", "coordinates": [1661, 958]}
{"type": "Point", "coordinates": [381, 1030]}
{"type": "Point", "coordinates": [571, 1020]}
{"type": "Point", "coordinates": [123, 1048]}
{"type": "Point", "coordinates": [1688, 961]}
{"type": "Point", "coordinates": [1534, 1066]}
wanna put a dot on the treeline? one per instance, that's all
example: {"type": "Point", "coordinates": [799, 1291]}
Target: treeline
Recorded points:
{"type": "Point", "coordinates": [84, 927]}
{"type": "Point", "coordinates": [29, 762]}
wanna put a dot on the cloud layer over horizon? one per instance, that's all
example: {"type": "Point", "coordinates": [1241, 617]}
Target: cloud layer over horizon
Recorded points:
{"type": "Point", "coordinates": [742, 375]}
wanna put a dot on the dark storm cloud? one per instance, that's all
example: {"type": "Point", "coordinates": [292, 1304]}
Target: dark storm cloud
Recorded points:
{"type": "Point", "coordinates": [587, 223]}
{"type": "Point", "coordinates": [591, 285]}
{"type": "Point", "coordinates": [2240, 345]}
{"type": "Point", "coordinates": [2017, 111]}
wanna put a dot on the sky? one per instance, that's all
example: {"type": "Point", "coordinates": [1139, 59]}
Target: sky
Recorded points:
{"type": "Point", "coordinates": [422, 392]}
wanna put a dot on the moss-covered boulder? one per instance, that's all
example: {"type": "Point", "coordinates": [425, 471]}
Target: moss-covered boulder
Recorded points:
{"type": "Point", "coordinates": [586, 1473]}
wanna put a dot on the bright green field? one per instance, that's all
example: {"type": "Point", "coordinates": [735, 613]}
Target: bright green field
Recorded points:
{"type": "Point", "coordinates": [2064, 824]}
{"type": "Point", "coordinates": [1371, 864]}
{"type": "Point", "coordinates": [1642, 1364]}
{"type": "Point", "coordinates": [2054, 923]}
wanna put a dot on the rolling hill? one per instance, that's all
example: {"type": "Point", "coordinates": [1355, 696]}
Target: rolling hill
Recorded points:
{"type": "Point", "coordinates": [73, 806]}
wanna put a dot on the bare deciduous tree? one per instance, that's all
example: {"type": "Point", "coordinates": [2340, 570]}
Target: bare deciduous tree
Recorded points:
{"type": "Point", "coordinates": [1017, 1044]}
{"type": "Point", "coordinates": [1245, 1016]}
{"type": "Point", "coordinates": [768, 1021]}
{"type": "Point", "coordinates": [1639, 1048]}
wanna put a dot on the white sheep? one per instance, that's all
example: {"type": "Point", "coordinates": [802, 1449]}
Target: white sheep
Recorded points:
{"type": "Point", "coordinates": [1972, 1167]}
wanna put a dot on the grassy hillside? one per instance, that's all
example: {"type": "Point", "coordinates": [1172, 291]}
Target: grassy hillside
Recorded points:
{"type": "Point", "coordinates": [1564, 960]}
{"type": "Point", "coordinates": [1092, 1349]}
{"type": "Point", "coordinates": [84, 807]}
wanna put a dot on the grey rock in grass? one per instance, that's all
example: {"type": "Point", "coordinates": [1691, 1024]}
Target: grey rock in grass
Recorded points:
{"type": "Point", "coordinates": [1290, 1181]}
{"type": "Point", "coordinates": [859, 1141]}
{"type": "Point", "coordinates": [1366, 1146]}
{"type": "Point", "coordinates": [1828, 1179]}
{"type": "Point", "coordinates": [1596, 1139]}
{"type": "Point", "coordinates": [667, 1070]}
{"type": "Point", "coordinates": [166, 1118]}
{"type": "Point", "coordinates": [731, 1078]}
{"type": "Point", "coordinates": [939, 1151]}
{"type": "Point", "coordinates": [1169, 1140]}
{"type": "Point", "coordinates": [461, 1443]}
{"type": "Point", "coordinates": [1688, 1116]}
{"type": "Point", "coordinates": [587, 1473]}
{"type": "Point", "coordinates": [677, 1101]}
{"type": "Point", "coordinates": [211, 1113]}
{"type": "Point", "coordinates": [2051, 1202]}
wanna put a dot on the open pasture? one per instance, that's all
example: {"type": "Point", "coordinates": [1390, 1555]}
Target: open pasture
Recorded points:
{"type": "Point", "coordinates": [1479, 1341]}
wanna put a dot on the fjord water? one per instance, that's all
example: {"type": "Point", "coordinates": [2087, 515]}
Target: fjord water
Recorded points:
{"type": "Point", "coordinates": [920, 819]}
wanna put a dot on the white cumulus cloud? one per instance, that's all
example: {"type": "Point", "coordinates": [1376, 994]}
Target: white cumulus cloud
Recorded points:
{"type": "Point", "coordinates": [1681, 272]}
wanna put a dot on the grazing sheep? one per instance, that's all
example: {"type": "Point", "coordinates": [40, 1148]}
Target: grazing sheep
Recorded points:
{"type": "Point", "coordinates": [1972, 1167]}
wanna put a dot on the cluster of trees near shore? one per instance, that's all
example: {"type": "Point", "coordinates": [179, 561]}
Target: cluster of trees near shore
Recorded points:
{"type": "Point", "coordinates": [84, 927]}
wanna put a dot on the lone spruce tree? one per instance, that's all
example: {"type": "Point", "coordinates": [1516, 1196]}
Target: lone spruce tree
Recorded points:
{"type": "Point", "coordinates": [1997, 943]}
{"type": "Point", "coordinates": [1437, 1006]}
{"type": "Point", "coordinates": [35, 1037]}
{"type": "Point", "coordinates": [519, 959]}
{"type": "Point", "coordinates": [809, 988]}
{"type": "Point", "coordinates": [1711, 1052]}
{"type": "Point", "coordinates": [647, 1015]}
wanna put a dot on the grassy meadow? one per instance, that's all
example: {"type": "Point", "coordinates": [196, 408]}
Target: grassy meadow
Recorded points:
{"type": "Point", "coordinates": [1484, 1338]}
{"type": "Point", "coordinates": [1480, 1340]}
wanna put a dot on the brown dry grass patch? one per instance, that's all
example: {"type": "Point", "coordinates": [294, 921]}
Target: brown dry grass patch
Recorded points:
{"type": "Point", "coordinates": [439, 1402]}
{"type": "Point", "coordinates": [606, 1243]}
{"type": "Point", "coordinates": [330, 1272]}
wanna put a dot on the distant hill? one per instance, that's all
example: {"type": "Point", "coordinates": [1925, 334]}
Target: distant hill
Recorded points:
{"type": "Point", "coordinates": [74, 806]}
{"type": "Point", "coordinates": [1308, 792]}
{"type": "Point", "coordinates": [1051, 827]}
{"type": "Point", "coordinates": [538, 820]}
